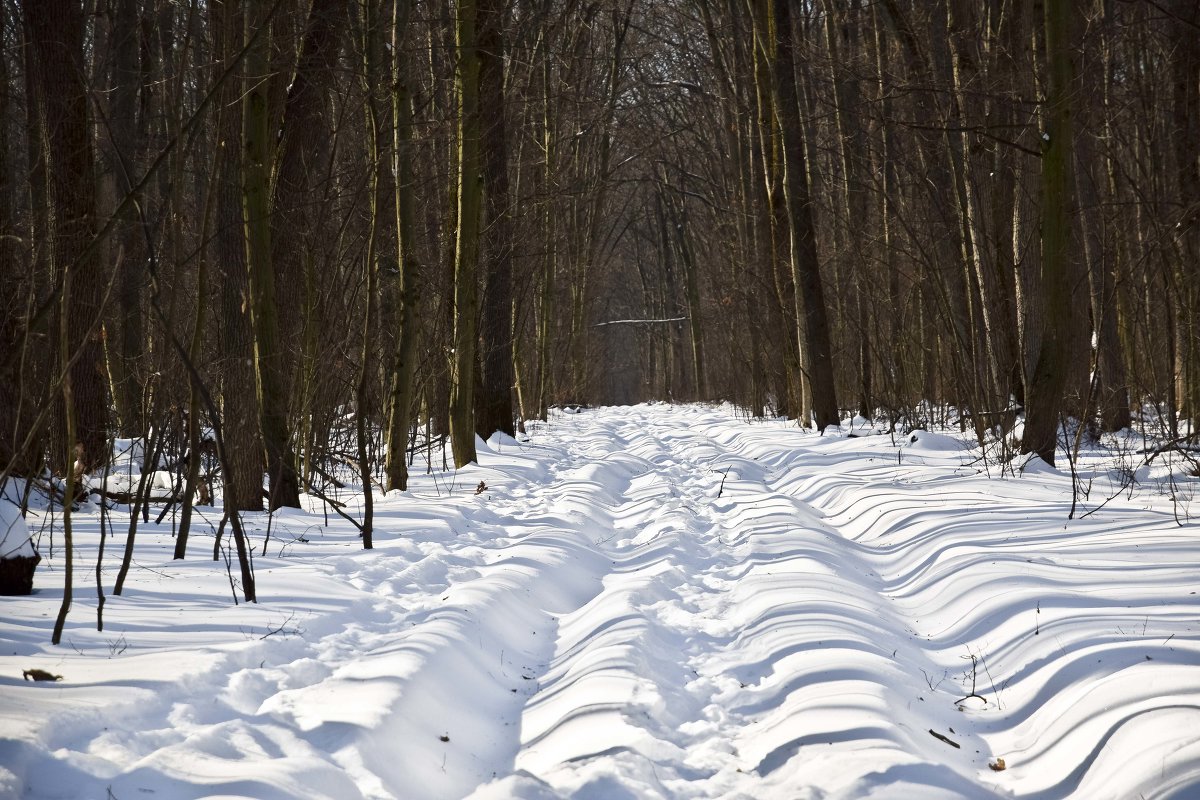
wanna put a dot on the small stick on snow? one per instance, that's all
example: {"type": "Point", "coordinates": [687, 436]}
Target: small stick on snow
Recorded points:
{"type": "Point", "coordinates": [945, 739]}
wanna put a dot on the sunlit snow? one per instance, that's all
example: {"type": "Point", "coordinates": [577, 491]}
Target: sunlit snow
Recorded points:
{"type": "Point", "coordinates": [646, 602]}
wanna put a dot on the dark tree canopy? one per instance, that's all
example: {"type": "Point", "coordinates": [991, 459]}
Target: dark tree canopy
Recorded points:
{"type": "Point", "coordinates": [318, 227]}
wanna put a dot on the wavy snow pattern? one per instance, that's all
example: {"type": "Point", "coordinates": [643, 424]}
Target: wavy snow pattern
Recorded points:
{"type": "Point", "coordinates": [654, 602]}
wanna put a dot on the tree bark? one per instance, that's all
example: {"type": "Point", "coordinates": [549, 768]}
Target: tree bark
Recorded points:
{"type": "Point", "coordinates": [1185, 90]}
{"type": "Point", "coordinates": [545, 300]}
{"type": "Point", "coordinates": [13, 285]}
{"type": "Point", "coordinates": [771, 221]}
{"type": "Point", "coordinates": [408, 299]}
{"type": "Point", "coordinates": [301, 182]}
{"type": "Point", "coordinates": [985, 185]}
{"type": "Point", "coordinates": [121, 143]}
{"type": "Point", "coordinates": [268, 353]}
{"type": "Point", "coordinates": [493, 404]}
{"type": "Point", "coordinates": [243, 482]}
{"type": "Point", "coordinates": [806, 270]}
{"type": "Point", "coordinates": [1111, 397]}
{"type": "Point", "coordinates": [466, 250]}
{"type": "Point", "coordinates": [1046, 391]}
{"type": "Point", "coordinates": [851, 146]}
{"type": "Point", "coordinates": [57, 35]}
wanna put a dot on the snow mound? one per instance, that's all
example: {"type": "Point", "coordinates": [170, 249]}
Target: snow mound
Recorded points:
{"type": "Point", "coordinates": [14, 533]}
{"type": "Point", "coordinates": [935, 442]}
{"type": "Point", "coordinates": [1034, 465]}
{"type": "Point", "coordinates": [161, 484]}
{"type": "Point", "coordinates": [500, 440]}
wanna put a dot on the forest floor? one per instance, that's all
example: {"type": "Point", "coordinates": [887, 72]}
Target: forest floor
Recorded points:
{"type": "Point", "coordinates": [646, 602]}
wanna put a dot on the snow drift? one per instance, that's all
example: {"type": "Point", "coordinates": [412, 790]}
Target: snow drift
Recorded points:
{"type": "Point", "coordinates": [645, 602]}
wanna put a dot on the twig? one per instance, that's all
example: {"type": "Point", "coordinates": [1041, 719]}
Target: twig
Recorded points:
{"type": "Point", "coordinates": [974, 665]}
{"type": "Point", "coordinates": [281, 629]}
{"type": "Point", "coordinates": [945, 739]}
{"type": "Point", "coordinates": [337, 507]}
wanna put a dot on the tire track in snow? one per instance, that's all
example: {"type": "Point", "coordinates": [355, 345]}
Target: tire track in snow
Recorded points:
{"type": "Point", "coordinates": [450, 675]}
{"type": "Point", "coordinates": [464, 633]}
{"type": "Point", "coordinates": [615, 625]}
{"type": "Point", "coordinates": [412, 689]}
{"type": "Point", "coordinates": [739, 646]}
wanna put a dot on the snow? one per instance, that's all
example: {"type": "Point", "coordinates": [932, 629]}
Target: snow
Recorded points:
{"type": "Point", "coordinates": [14, 533]}
{"type": "Point", "coordinates": [925, 440]}
{"type": "Point", "coordinates": [160, 484]}
{"type": "Point", "coordinates": [644, 602]}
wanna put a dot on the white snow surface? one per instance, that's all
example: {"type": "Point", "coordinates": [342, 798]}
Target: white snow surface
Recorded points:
{"type": "Point", "coordinates": [646, 602]}
{"type": "Point", "coordinates": [14, 533]}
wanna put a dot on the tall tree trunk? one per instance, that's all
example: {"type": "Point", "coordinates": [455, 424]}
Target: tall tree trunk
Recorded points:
{"type": "Point", "coordinates": [268, 353]}
{"type": "Point", "coordinates": [944, 286]}
{"type": "Point", "coordinates": [982, 187]}
{"type": "Point", "coordinates": [1185, 85]}
{"type": "Point", "coordinates": [1111, 400]}
{"type": "Point", "coordinates": [851, 144]}
{"type": "Point", "coordinates": [590, 249]}
{"type": "Point", "coordinates": [239, 403]}
{"type": "Point", "coordinates": [1046, 390]}
{"type": "Point", "coordinates": [466, 250]}
{"type": "Point", "coordinates": [493, 404]}
{"type": "Point", "coordinates": [545, 309]}
{"type": "Point", "coordinates": [695, 310]}
{"type": "Point", "coordinates": [42, 371]}
{"type": "Point", "coordinates": [57, 35]}
{"type": "Point", "coordinates": [301, 183]}
{"type": "Point", "coordinates": [771, 227]}
{"type": "Point", "coordinates": [12, 288]}
{"type": "Point", "coordinates": [121, 145]}
{"type": "Point", "coordinates": [744, 258]}
{"type": "Point", "coordinates": [403, 368]}
{"type": "Point", "coordinates": [806, 270]}
{"type": "Point", "coordinates": [375, 123]}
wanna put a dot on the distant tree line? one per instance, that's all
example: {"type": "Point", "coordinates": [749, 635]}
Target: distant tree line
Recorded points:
{"type": "Point", "coordinates": [331, 230]}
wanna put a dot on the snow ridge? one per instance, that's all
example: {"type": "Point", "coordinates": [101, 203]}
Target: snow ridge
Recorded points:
{"type": "Point", "coordinates": [645, 602]}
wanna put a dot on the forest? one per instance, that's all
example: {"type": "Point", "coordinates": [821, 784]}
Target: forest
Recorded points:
{"type": "Point", "coordinates": [545, 399]}
{"type": "Point", "coordinates": [295, 237]}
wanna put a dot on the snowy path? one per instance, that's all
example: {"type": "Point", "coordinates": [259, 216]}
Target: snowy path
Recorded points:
{"type": "Point", "coordinates": [647, 602]}
{"type": "Point", "coordinates": [735, 629]}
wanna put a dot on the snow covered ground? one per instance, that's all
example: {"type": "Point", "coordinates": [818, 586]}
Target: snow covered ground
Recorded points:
{"type": "Point", "coordinates": [644, 602]}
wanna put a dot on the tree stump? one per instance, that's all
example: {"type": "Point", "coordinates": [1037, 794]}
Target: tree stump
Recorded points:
{"type": "Point", "coordinates": [18, 558]}
{"type": "Point", "coordinates": [16, 574]}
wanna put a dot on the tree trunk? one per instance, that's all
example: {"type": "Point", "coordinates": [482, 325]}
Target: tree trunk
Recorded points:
{"type": "Point", "coordinates": [408, 299]}
{"type": "Point", "coordinates": [771, 222]}
{"type": "Point", "coordinates": [695, 312]}
{"type": "Point", "coordinates": [268, 353]}
{"type": "Point", "coordinates": [121, 143]}
{"type": "Point", "coordinates": [806, 270]}
{"type": "Point", "coordinates": [375, 123]}
{"type": "Point", "coordinates": [493, 405]}
{"type": "Point", "coordinates": [545, 308]}
{"type": "Point", "coordinates": [57, 35]}
{"type": "Point", "coordinates": [851, 146]}
{"type": "Point", "coordinates": [1046, 390]}
{"type": "Point", "coordinates": [1185, 87]}
{"type": "Point", "coordinates": [14, 283]}
{"type": "Point", "coordinates": [466, 250]}
{"type": "Point", "coordinates": [239, 403]}
{"type": "Point", "coordinates": [983, 187]}
{"type": "Point", "coordinates": [1111, 397]}
{"type": "Point", "coordinates": [301, 182]}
